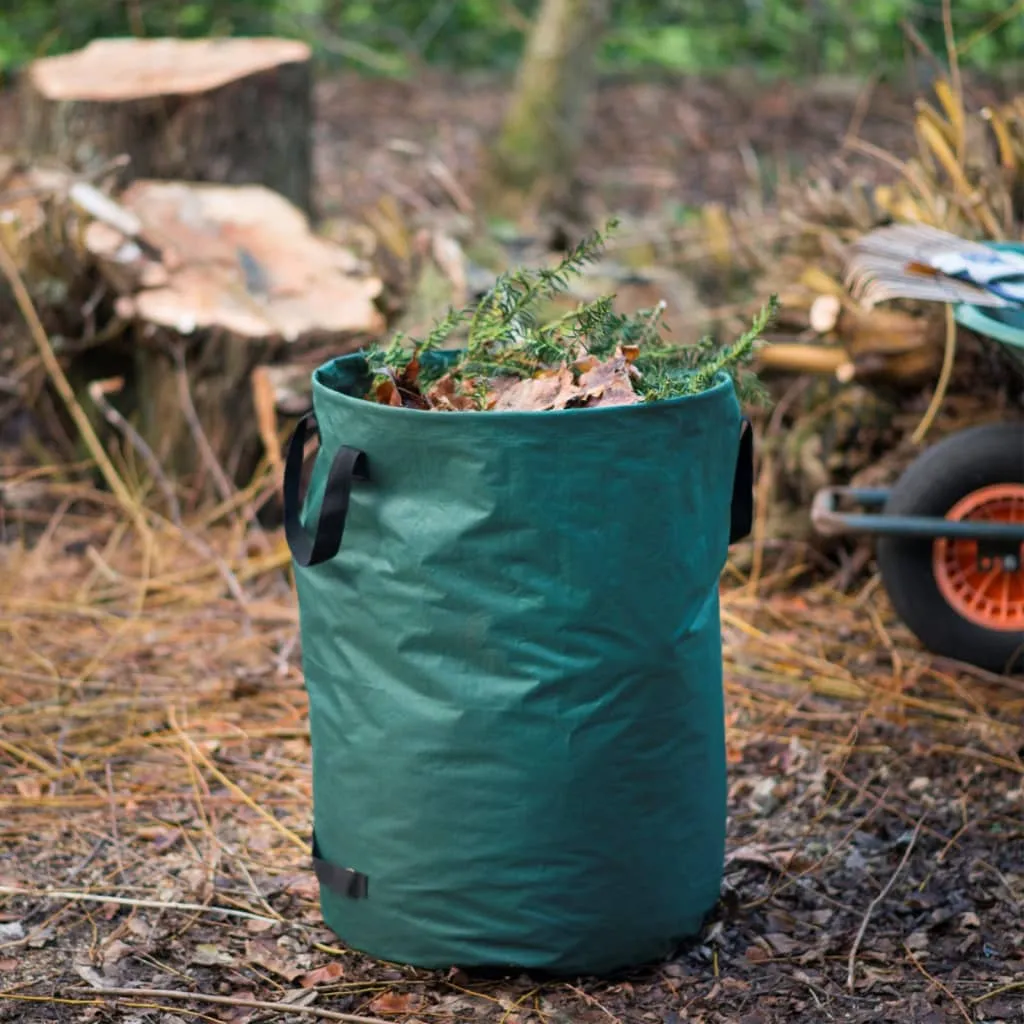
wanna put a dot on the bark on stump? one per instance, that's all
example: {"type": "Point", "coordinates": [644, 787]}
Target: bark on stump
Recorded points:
{"type": "Point", "coordinates": [232, 111]}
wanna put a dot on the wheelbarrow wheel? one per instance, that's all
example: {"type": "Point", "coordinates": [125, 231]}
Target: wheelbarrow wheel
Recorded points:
{"type": "Point", "coordinates": [953, 606]}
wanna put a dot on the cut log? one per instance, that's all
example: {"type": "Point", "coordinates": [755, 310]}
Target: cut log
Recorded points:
{"type": "Point", "coordinates": [241, 259]}
{"type": "Point", "coordinates": [226, 111]}
{"type": "Point", "coordinates": [797, 357]}
{"type": "Point", "coordinates": [229, 279]}
{"type": "Point", "coordinates": [824, 313]}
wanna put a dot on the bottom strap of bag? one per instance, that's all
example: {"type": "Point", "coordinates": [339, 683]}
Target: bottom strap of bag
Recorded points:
{"type": "Point", "coordinates": [341, 881]}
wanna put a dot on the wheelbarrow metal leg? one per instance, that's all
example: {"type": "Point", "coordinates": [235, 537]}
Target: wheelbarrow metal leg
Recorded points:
{"type": "Point", "coordinates": [832, 523]}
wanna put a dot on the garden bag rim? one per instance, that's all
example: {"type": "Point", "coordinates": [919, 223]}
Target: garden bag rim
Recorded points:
{"type": "Point", "coordinates": [349, 463]}
{"type": "Point", "coordinates": [323, 392]}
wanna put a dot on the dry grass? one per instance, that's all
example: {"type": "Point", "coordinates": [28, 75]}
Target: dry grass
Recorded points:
{"type": "Point", "coordinates": [156, 795]}
{"type": "Point", "coordinates": [155, 749]}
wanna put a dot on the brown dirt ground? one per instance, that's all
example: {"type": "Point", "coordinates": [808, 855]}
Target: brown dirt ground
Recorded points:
{"type": "Point", "coordinates": [650, 146]}
{"type": "Point", "coordinates": [159, 753]}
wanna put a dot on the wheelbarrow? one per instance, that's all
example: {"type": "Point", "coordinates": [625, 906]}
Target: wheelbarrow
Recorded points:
{"type": "Point", "coordinates": [950, 531]}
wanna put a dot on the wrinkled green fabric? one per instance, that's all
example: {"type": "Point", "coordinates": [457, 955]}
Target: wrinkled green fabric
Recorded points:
{"type": "Point", "coordinates": [514, 669]}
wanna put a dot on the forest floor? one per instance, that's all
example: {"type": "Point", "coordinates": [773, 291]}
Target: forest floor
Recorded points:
{"type": "Point", "coordinates": [155, 789]}
{"type": "Point", "coordinates": [157, 769]}
{"type": "Point", "coordinates": [652, 147]}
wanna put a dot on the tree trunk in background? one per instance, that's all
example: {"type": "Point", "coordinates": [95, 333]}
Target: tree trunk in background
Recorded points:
{"type": "Point", "coordinates": [533, 162]}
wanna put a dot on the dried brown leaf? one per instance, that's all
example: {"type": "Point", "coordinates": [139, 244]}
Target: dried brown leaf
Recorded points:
{"type": "Point", "coordinates": [162, 838]}
{"type": "Point", "coordinates": [115, 951]}
{"type": "Point", "coordinates": [608, 383]}
{"type": "Point", "coordinates": [407, 384]}
{"type": "Point", "coordinates": [30, 789]}
{"type": "Point", "coordinates": [395, 1002]}
{"type": "Point", "coordinates": [323, 975]}
{"type": "Point", "coordinates": [540, 393]}
{"type": "Point", "coordinates": [443, 396]}
{"type": "Point", "coordinates": [210, 955]}
{"type": "Point", "coordinates": [258, 927]}
{"type": "Point", "coordinates": [780, 921]}
{"type": "Point", "coordinates": [303, 887]}
{"type": "Point", "coordinates": [409, 378]}
{"type": "Point", "coordinates": [90, 976]}
{"type": "Point", "coordinates": [782, 944]}
{"type": "Point", "coordinates": [265, 953]}
{"type": "Point", "coordinates": [1007, 1008]}
{"type": "Point", "coordinates": [619, 392]}
{"type": "Point", "coordinates": [586, 363]}
{"type": "Point", "coordinates": [753, 854]}
{"type": "Point", "coordinates": [387, 393]}
{"type": "Point", "coordinates": [498, 387]}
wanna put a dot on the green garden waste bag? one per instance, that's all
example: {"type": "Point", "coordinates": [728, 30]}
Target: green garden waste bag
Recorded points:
{"type": "Point", "coordinates": [514, 669]}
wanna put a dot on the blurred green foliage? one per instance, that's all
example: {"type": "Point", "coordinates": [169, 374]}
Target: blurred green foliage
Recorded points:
{"type": "Point", "coordinates": [397, 36]}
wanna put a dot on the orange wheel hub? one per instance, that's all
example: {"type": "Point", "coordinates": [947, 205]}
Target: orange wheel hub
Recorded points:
{"type": "Point", "coordinates": [992, 598]}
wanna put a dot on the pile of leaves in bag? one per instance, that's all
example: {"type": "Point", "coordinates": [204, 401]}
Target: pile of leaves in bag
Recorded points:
{"type": "Point", "coordinates": [588, 357]}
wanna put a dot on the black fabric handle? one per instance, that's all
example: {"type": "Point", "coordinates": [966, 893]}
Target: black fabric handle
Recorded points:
{"type": "Point", "coordinates": [741, 515]}
{"type": "Point", "coordinates": [349, 464]}
{"type": "Point", "coordinates": [342, 881]}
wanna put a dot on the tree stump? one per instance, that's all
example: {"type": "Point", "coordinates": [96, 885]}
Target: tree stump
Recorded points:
{"type": "Point", "coordinates": [219, 281]}
{"type": "Point", "coordinates": [230, 111]}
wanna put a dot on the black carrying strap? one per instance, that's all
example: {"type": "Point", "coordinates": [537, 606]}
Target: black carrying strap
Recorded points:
{"type": "Point", "coordinates": [741, 514]}
{"type": "Point", "coordinates": [349, 464]}
{"type": "Point", "coordinates": [341, 881]}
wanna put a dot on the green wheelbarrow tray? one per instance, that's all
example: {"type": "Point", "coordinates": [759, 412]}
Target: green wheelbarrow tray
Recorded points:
{"type": "Point", "coordinates": [1004, 324]}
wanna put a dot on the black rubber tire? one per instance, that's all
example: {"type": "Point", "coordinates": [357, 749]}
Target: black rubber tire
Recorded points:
{"type": "Point", "coordinates": [931, 486]}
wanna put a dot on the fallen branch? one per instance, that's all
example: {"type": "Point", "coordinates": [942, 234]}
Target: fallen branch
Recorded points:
{"type": "Point", "coordinates": [945, 989]}
{"type": "Point", "coordinates": [880, 898]}
{"type": "Point", "coordinates": [126, 901]}
{"type": "Point", "coordinates": [188, 408]}
{"type": "Point", "coordinates": [98, 391]}
{"type": "Point", "coordinates": [208, 456]}
{"type": "Point", "coordinates": [796, 357]}
{"type": "Point", "coordinates": [203, 997]}
{"type": "Point", "coordinates": [1013, 986]}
